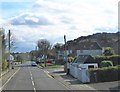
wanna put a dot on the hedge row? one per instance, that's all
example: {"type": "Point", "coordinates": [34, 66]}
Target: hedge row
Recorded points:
{"type": "Point", "coordinates": [105, 74]}
{"type": "Point", "coordinates": [114, 58]}
{"type": "Point", "coordinates": [4, 65]}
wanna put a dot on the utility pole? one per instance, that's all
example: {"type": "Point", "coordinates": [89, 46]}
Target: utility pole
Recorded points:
{"type": "Point", "coordinates": [65, 48]}
{"type": "Point", "coordinates": [9, 34]}
{"type": "Point", "coordinates": [36, 53]}
{"type": "Point", "coordinates": [65, 54]}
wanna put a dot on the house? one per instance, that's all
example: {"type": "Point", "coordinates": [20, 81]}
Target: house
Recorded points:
{"type": "Point", "coordinates": [116, 47]}
{"type": "Point", "coordinates": [82, 48]}
{"type": "Point", "coordinates": [88, 48]}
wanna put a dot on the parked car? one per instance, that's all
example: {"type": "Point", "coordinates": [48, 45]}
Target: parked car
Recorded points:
{"type": "Point", "coordinates": [49, 62]}
{"type": "Point", "coordinates": [33, 64]}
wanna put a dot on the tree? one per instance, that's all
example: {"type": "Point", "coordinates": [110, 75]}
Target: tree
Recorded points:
{"type": "Point", "coordinates": [44, 46]}
{"type": "Point", "coordinates": [57, 47]}
{"type": "Point", "coordinates": [108, 51]}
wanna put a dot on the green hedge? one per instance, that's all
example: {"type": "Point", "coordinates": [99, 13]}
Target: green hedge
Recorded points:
{"type": "Point", "coordinates": [114, 58]}
{"type": "Point", "coordinates": [105, 74]}
{"type": "Point", "coordinates": [106, 63]}
{"type": "Point", "coordinates": [4, 65]}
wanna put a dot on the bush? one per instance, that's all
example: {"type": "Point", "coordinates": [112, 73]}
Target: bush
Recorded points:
{"type": "Point", "coordinates": [114, 58]}
{"type": "Point", "coordinates": [106, 63]}
{"type": "Point", "coordinates": [105, 74]}
{"type": "Point", "coordinates": [4, 65]}
{"type": "Point", "coordinates": [108, 51]}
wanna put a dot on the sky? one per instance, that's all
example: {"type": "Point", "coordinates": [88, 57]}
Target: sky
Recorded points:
{"type": "Point", "coordinates": [31, 20]}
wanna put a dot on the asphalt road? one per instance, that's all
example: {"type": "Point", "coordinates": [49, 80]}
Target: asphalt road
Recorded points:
{"type": "Point", "coordinates": [33, 78]}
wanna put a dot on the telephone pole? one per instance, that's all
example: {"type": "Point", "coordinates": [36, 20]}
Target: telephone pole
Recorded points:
{"type": "Point", "coordinates": [65, 55]}
{"type": "Point", "coordinates": [9, 34]}
{"type": "Point", "coordinates": [65, 48]}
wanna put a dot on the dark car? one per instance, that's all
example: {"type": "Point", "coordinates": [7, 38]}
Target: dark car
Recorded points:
{"type": "Point", "coordinates": [33, 64]}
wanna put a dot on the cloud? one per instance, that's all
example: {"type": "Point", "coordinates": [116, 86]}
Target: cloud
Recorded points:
{"type": "Point", "coordinates": [29, 19]}
{"type": "Point", "coordinates": [51, 19]}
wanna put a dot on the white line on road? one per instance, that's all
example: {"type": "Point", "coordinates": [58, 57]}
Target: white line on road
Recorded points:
{"type": "Point", "coordinates": [90, 87]}
{"type": "Point", "coordinates": [34, 90]}
{"type": "Point", "coordinates": [31, 78]}
{"type": "Point", "coordinates": [48, 74]}
{"type": "Point", "coordinates": [32, 81]}
{"type": "Point", "coordinates": [9, 79]}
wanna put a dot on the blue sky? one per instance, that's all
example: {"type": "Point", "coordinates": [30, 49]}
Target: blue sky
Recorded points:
{"type": "Point", "coordinates": [10, 9]}
{"type": "Point", "coordinates": [31, 20]}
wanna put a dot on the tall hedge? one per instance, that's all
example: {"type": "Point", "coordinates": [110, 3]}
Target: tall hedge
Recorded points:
{"type": "Point", "coordinates": [105, 74]}
{"type": "Point", "coordinates": [4, 65]}
{"type": "Point", "coordinates": [106, 63]}
{"type": "Point", "coordinates": [114, 58]}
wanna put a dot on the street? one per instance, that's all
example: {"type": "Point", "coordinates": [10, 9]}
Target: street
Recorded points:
{"type": "Point", "coordinates": [33, 78]}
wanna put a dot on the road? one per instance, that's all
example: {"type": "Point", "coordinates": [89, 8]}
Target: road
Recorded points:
{"type": "Point", "coordinates": [33, 78]}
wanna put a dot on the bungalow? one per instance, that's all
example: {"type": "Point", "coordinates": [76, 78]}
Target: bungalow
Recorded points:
{"type": "Point", "coordinates": [89, 48]}
{"type": "Point", "coordinates": [81, 48]}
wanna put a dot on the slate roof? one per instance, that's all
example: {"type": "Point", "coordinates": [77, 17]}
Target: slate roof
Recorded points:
{"type": "Point", "coordinates": [82, 59]}
{"type": "Point", "coordinates": [88, 46]}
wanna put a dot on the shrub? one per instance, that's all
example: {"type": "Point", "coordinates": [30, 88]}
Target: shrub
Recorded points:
{"type": "Point", "coordinates": [106, 63]}
{"type": "Point", "coordinates": [108, 51]}
{"type": "Point", "coordinates": [114, 58]}
{"type": "Point", "coordinates": [105, 74]}
{"type": "Point", "coordinates": [4, 65]}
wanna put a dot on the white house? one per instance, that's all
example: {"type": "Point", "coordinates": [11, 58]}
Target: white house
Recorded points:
{"type": "Point", "coordinates": [89, 48]}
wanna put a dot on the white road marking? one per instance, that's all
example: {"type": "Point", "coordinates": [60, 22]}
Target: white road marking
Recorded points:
{"type": "Point", "coordinates": [48, 74]}
{"type": "Point", "coordinates": [31, 78]}
{"type": "Point", "coordinates": [90, 87]}
{"type": "Point", "coordinates": [32, 81]}
{"type": "Point", "coordinates": [9, 79]}
{"type": "Point", "coordinates": [34, 90]}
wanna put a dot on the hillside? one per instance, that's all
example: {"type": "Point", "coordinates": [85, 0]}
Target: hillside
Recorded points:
{"type": "Point", "coordinates": [103, 39]}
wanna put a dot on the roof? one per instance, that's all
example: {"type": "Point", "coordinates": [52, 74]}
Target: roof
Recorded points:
{"type": "Point", "coordinates": [81, 59]}
{"type": "Point", "coordinates": [88, 46]}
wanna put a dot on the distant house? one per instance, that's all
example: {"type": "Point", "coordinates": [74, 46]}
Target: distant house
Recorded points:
{"type": "Point", "coordinates": [89, 48]}
{"type": "Point", "coordinates": [82, 48]}
{"type": "Point", "coordinates": [116, 47]}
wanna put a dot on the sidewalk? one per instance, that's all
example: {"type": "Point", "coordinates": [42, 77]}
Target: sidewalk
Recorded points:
{"type": "Point", "coordinates": [68, 80]}
{"type": "Point", "coordinates": [6, 75]}
{"type": "Point", "coordinates": [75, 84]}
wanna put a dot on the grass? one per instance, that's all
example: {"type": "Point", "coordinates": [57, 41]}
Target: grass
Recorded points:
{"type": "Point", "coordinates": [52, 66]}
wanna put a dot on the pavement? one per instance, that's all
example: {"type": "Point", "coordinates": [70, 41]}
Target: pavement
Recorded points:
{"type": "Point", "coordinates": [75, 84]}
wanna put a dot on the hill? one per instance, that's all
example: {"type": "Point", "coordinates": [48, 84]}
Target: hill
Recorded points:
{"type": "Point", "coordinates": [103, 39]}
